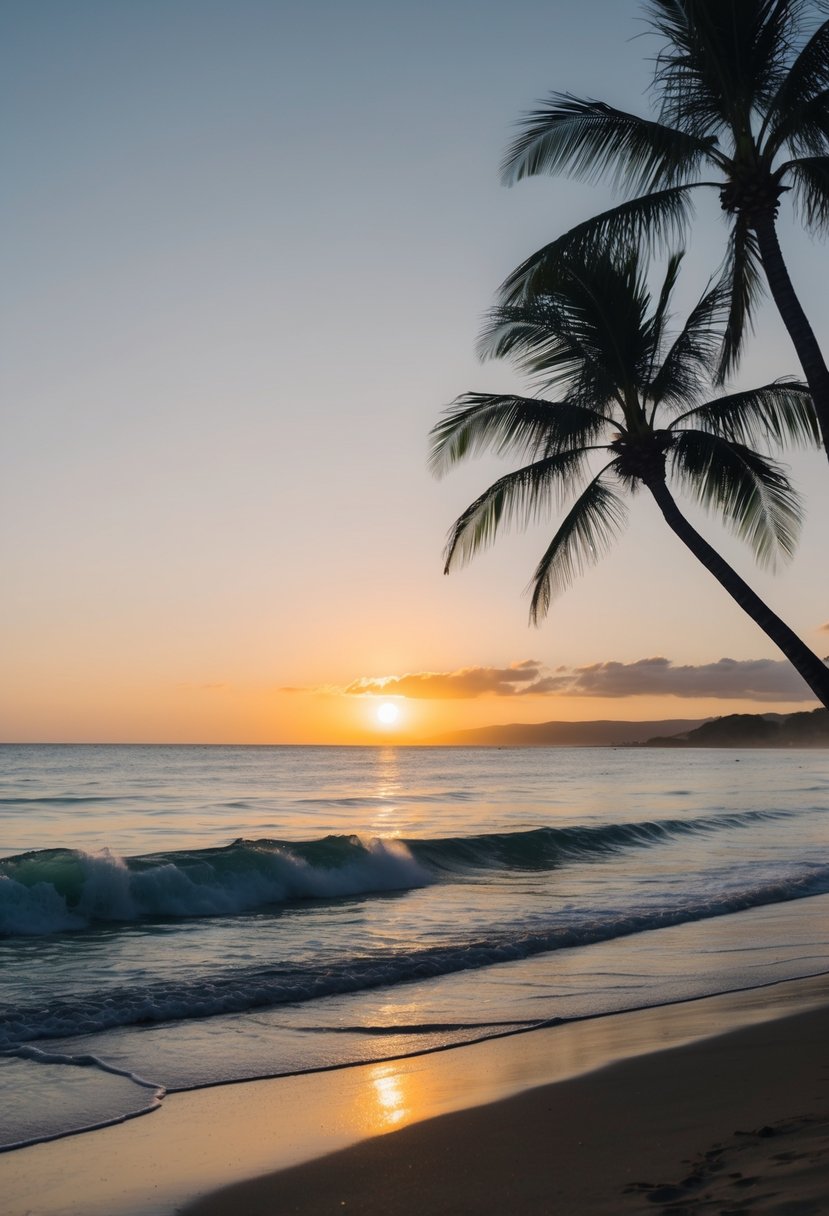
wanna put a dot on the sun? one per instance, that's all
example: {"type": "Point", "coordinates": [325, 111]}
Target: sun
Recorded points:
{"type": "Point", "coordinates": [388, 713]}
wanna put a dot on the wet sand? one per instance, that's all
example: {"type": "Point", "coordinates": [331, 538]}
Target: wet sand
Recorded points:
{"type": "Point", "coordinates": [732, 1125]}
{"type": "Point", "coordinates": [668, 1110]}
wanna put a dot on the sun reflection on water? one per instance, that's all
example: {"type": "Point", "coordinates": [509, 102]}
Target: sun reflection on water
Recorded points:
{"type": "Point", "coordinates": [387, 786]}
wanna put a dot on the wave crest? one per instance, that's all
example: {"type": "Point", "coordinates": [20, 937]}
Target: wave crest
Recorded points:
{"type": "Point", "coordinates": [64, 889]}
{"type": "Point", "coordinates": [55, 890]}
{"type": "Point", "coordinates": [245, 988]}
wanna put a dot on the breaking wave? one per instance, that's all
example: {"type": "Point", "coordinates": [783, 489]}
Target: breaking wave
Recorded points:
{"type": "Point", "coordinates": [58, 890]}
{"type": "Point", "coordinates": [243, 988]}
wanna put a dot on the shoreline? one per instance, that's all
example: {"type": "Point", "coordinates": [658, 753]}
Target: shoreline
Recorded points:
{"type": "Point", "coordinates": [730, 1124]}
{"type": "Point", "coordinates": [247, 1134]}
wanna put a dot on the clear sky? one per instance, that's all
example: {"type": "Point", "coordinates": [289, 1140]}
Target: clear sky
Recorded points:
{"type": "Point", "coordinates": [247, 247]}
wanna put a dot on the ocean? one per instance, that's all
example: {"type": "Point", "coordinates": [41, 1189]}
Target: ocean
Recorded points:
{"type": "Point", "coordinates": [178, 917]}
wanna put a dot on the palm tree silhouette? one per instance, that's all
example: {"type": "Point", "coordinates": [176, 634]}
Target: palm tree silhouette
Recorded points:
{"type": "Point", "coordinates": [628, 394]}
{"type": "Point", "coordinates": [735, 97]}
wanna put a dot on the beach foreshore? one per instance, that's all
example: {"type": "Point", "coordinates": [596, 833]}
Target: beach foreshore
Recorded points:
{"type": "Point", "coordinates": [716, 1105]}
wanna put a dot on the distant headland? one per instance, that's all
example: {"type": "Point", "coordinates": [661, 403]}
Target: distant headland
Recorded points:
{"type": "Point", "coordinates": [807, 729]}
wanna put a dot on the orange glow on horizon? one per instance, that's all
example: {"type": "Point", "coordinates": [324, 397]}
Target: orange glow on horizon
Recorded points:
{"type": "Point", "coordinates": [121, 707]}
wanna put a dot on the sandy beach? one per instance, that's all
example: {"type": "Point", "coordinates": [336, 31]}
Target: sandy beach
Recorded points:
{"type": "Point", "coordinates": [733, 1124]}
{"type": "Point", "coordinates": [716, 1105]}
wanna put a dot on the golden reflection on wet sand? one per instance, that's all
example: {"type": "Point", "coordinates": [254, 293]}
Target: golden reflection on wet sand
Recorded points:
{"type": "Point", "coordinates": [199, 1141]}
{"type": "Point", "coordinates": [393, 1106]}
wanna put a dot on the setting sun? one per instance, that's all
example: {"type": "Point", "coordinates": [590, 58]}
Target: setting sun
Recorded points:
{"type": "Point", "coordinates": [388, 713]}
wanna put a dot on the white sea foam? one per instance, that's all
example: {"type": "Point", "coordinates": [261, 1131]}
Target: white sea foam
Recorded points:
{"type": "Point", "coordinates": [104, 887]}
{"type": "Point", "coordinates": [244, 988]}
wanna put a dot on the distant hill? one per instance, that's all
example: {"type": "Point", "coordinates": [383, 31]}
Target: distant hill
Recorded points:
{"type": "Point", "coordinates": [810, 729]}
{"type": "Point", "coordinates": [568, 734]}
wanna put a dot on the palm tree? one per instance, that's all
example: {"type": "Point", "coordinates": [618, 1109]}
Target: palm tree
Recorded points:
{"type": "Point", "coordinates": [625, 393]}
{"type": "Point", "coordinates": [737, 98]}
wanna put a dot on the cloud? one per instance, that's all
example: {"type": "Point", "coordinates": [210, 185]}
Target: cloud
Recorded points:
{"type": "Point", "coordinates": [727, 679]}
{"type": "Point", "coordinates": [730, 679]}
{"type": "Point", "coordinates": [464, 684]}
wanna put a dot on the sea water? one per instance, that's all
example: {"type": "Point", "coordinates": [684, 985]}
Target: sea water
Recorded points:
{"type": "Point", "coordinates": [176, 917]}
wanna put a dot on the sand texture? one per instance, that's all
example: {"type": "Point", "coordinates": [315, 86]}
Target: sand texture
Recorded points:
{"type": "Point", "coordinates": [651, 1111]}
{"type": "Point", "coordinates": [735, 1124]}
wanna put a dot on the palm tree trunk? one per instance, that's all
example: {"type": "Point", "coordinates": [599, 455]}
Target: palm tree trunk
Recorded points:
{"type": "Point", "coordinates": [806, 662]}
{"type": "Point", "coordinates": [795, 319]}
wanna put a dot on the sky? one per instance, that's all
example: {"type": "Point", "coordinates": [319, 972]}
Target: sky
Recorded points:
{"type": "Point", "coordinates": [247, 249]}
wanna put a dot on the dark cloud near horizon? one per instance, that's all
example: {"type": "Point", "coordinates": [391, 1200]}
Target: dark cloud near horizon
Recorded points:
{"type": "Point", "coordinates": [730, 679]}
{"type": "Point", "coordinates": [726, 679]}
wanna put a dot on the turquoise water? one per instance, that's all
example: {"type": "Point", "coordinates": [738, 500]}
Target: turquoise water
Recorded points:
{"type": "Point", "coordinates": [173, 917]}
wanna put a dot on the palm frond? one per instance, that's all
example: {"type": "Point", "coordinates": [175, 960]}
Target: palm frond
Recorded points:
{"type": "Point", "coordinates": [658, 322]}
{"type": "Point", "coordinates": [505, 423]}
{"type": "Point", "coordinates": [583, 537]}
{"type": "Point", "coordinates": [742, 278]}
{"type": "Point", "coordinates": [750, 492]}
{"type": "Point", "coordinates": [587, 139]}
{"type": "Point", "coordinates": [541, 339]}
{"type": "Point", "coordinates": [777, 26]}
{"type": "Point", "coordinates": [805, 131]}
{"type": "Point", "coordinates": [806, 78]}
{"type": "Point", "coordinates": [521, 497]}
{"type": "Point", "coordinates": [653, 221]}
{"type": "Point", "coordinates": [720, 60]}
{"type": "Point", "coordinates": [810, 181]}
{"type": "Point", "coordinates": [685, 370]}
{"type": "Point", "coordinates": [780, 413]}
{"type": "Point", "coordinates": [586, 324]}
{"type": "Point", "coordinates": [608, 303]}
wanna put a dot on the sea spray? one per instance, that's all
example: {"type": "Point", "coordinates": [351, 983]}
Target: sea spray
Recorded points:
{"type": "Point", "coordinates": [55, 890]}
{"type": "Point", "coordinates": [62, 889]}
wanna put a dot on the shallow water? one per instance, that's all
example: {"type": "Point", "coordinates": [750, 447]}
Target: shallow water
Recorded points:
{"type": "Point", "coordinates": [192, 915]}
